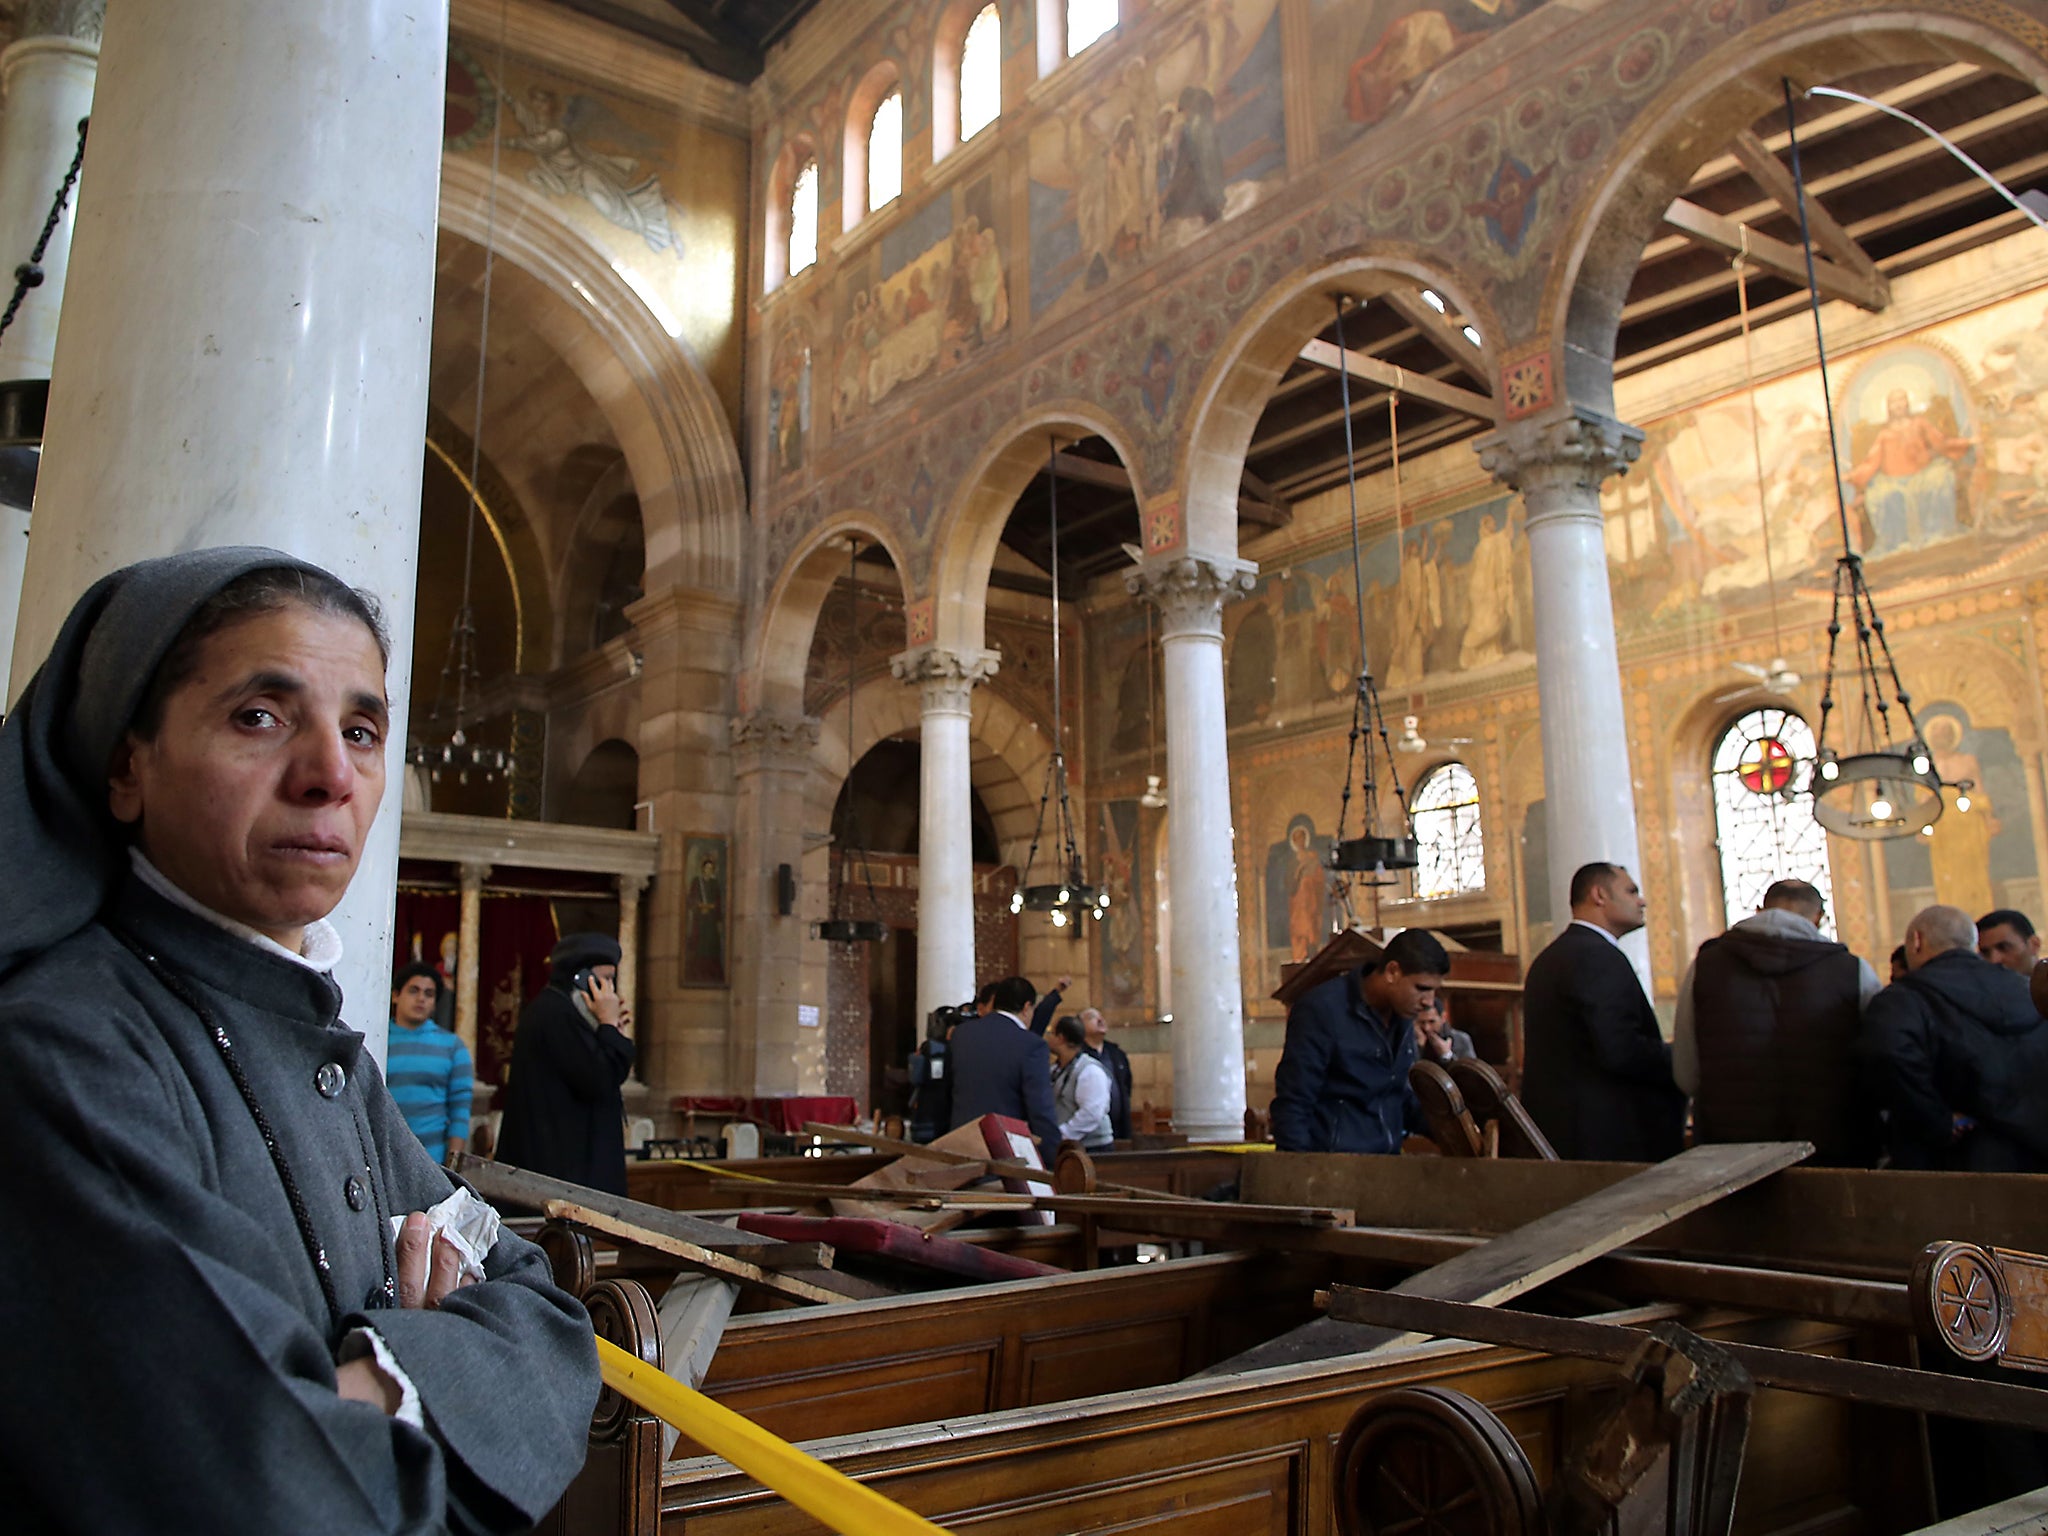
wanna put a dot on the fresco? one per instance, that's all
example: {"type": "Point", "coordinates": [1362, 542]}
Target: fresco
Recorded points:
{"type": "Point", "coordinates": [1120, 936]}
{"type": "Point", "coordinates": [1372, 57]}
{"type": "Point", "coordinates": [1299, 903]}
{"type": "Point", "coordinates": [1943, 465]}
{"type": "Point", "coordinates": [1976, 859]}
{"type": "Point", "coordinates": [789, 400]}
{"type": "Point", "coordinates": [1186, 134]}
{"type": "Point", "coordinates": [930, 294]}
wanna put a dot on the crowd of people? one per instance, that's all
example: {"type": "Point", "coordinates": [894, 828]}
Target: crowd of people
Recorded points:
{"type": "Point", "coordinates": [1780, 1034]}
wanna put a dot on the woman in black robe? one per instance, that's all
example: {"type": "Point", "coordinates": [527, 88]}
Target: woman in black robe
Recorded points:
{"type": "Point", "coordinates": [223, 1312]}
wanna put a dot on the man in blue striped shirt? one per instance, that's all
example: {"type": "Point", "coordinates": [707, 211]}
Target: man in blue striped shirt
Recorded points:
{"type": "Point", "coordinates": [428, 1070]}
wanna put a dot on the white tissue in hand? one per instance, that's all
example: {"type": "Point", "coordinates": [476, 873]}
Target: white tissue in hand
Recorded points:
{"type": "Point", "coordinates": [467, 1222]}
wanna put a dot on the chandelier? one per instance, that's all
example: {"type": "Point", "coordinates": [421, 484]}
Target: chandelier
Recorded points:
{"type": "Point", "coordinates": [842, 927]}
{"type": "Point", "coordinates": [1068, 897]}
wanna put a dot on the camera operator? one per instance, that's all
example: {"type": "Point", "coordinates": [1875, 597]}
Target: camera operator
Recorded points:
{"type": "Point", "coordinates": [931, 1090]}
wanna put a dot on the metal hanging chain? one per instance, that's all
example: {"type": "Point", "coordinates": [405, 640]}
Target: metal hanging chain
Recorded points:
{"type": "Point", "coordinates": [867, 865]}
{"type": "Point", "coordinates": [30, 273]}
{"type": "Point", "coordinates": [1069, 846]}
{"type": "Point", "coordinates": [1870, 636]}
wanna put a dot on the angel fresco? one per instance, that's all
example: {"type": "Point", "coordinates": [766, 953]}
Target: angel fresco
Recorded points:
{"type": "Point", "coordinates": [558, 135]}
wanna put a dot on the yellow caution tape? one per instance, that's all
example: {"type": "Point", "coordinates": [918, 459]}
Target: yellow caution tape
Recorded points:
{"type": "Point", "coordinates": [818, 1490]}
{"type": "Point", "coordinates": [734, 1173]}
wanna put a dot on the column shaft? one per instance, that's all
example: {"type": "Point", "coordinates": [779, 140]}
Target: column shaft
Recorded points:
{"type": "Point", "coordinates": [1588, 790]}
{"type": "Point", "coordinates": [771, 766]}
{"type": "Point", "coordinates": [1206, 984]}
{"type": "Point", "coordinates": [469, 952]}
{"type": "Point", "coordinates": [244, 355]}
{"type": "Point", "coordinates": [945, 826]}
{"type": "Point", "coordinates": [630, 887]}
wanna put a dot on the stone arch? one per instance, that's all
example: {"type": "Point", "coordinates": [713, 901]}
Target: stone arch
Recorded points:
{"type": "Point", "coordinates": [873, 89]}
{"type": "Point", "coordinates": [1693, 117]}
{"type": "Point", "coordinates": [775, 225]}
{"type": "Point", "coordinates": [664, 412]}
{"type": "Point", "coordinates": [607, 534]}
{"type": "Point", "coordinates": [782, 642]}
{"type": "Point", "coordinates": [604, 787]}
{"type": "Point", "coordinates": [949, 37]}
{"type": "Point", "coordinates": [1234, 389]}
{"type": "Point", "coordinates": [968, 534]}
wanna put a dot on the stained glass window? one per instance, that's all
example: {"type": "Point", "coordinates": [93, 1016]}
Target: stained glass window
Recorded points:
{"type": "Point", "coordinates": [1763, 820]}
{"type": "Point", "coordinates": [885, 152]}
{"type": "Point", "coordinates": [1453, 853]}
{"type": "Point", "coordinates": [1086, 21]}
{"type": "Point", "coordinates": [803, 218]}
{"type": "Point", "coordinates": [981, 73]}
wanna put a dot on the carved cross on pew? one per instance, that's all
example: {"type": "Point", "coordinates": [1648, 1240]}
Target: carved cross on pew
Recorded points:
{"type": "Point", "coordinates": [1983, 1303]}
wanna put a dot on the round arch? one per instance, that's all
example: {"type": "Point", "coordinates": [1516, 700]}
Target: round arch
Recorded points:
{"type": "Point", "coordinates": [1693, 117]}
{"type": "Point", "coordinates": [971, 529]}
{"type": "Point", "coordinates": [685, 461]}
{"type": "Point", "coordinates": [1234, 390]}
{"type": "Point", "coordinates": [799, 151]}
{"type": "Point", "coordinates": [782, 642]}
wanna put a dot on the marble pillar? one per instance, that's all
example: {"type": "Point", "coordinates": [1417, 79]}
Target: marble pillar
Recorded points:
{"type": "Point", "coordinates": [945, 825]}
{"type": "Point", "coordinates": [244, 355]}
{"type": "Point", "coordinates": [46, 79]}
{"type": "Point", "coordinates": [772, 767]}
{"type": "Point", "coordinates": [1206, 985]}
{"type": "Point", "coordinates": [469, 931]}
{"type": "Point", "coordinates": [630, 887]}
{"type": "Point", "coordinates": [1558, 464]}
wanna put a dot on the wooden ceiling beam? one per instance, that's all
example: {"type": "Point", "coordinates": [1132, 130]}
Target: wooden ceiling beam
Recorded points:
{"type": "Point", "coordinates": [1849, 115]}
{"type": "Point", "coordinates": [1255, 501]}
{"type": "Point", "coordinates": [1401, 381]}
{"type": "Point", "coordinates": [1450, 339]}
{"type": "Point", "coordinates": [1322, 477]}
{"type": "Point", "coordinates": [1769, 173]}
{"type": "Point", "coordinates": [1788, 261]}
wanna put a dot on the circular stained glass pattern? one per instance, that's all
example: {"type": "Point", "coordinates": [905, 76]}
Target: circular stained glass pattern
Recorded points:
{"type": "Point", "coordinates": [1765, 767]}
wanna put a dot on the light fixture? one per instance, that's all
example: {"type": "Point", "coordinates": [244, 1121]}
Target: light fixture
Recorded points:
{"type": "Point", "coordinates": [1374, 852]}
{"type": "Point", "coordinates": [841, 926]}
{"type": "Point", "coordinates": [1154, 798]}
{"type": "Point", "coordinates": [1070, 896]}
{"type": "Point", "coordinates": [1886, 786]}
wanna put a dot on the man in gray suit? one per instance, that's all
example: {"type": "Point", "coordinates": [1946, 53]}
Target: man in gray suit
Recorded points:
{"type": "Point", "coordinates": [1001, 1068]}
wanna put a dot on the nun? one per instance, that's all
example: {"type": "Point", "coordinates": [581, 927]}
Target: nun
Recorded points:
{"type": "Point", "coordinates": [241, 1297]}
{"type": "Point", "coordinates": [564, 1111]}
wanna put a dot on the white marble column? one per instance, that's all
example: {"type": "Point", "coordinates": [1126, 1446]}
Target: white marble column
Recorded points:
{"type": "Point", "coordinates": [772, 764]}
{"type": "Point", "coordinates": [945, 822]}
{"type": "Point", "coordinates": [630, 887]}
{"type": "Point", "coordinates": [469, 932]}
{"type": "Point", "coordinates": [245, 343]}
{"type": "Point", "coordinates": [46, 76]}
{"type": "Point", "coordinates": [1206, 985]}
{"type": "Point", "coordinates": [1558, 464]}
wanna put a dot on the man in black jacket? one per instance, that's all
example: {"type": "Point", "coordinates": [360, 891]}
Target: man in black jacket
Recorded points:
{"type": "Point", "coordinates": [1598, 1073]}
{"type": "Point", "coordinates": [564, 1114]}
{"type": "Point", "coordinates": [1121, 1080]}
{"type": "Point", "coordinates": [1342, 1083]}
{"type": "Point", "coordinates": [1766, 1031]}
{"type": "Point", "coordinates": [1000, 1068]}
{"type": "Point", "coordinates": [1955, 1055]}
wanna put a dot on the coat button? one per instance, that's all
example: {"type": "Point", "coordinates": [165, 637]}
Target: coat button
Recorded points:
{"type": "Point", "coordinates": [330, 1080]}
{"type": "Point", "coordinates": [355, 1193]}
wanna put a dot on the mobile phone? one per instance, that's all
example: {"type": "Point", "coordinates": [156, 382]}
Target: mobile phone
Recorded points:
{"type": "Point", "coordinates": [581, 981]}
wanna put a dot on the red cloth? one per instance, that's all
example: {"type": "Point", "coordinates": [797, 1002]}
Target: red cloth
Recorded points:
{"type": "Point", "coordinates": [512, 961]}
{"type": "Point", "coordinates": [788, 1115]}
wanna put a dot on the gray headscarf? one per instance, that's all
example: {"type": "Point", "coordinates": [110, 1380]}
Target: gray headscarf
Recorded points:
{"type": "Point", "coordinates": [60, 846]}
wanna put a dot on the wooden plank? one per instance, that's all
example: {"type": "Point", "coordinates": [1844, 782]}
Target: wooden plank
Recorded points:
{"type": "Point", "coordinates": [1136, 1208]}
{"type": "Point", "coordinates": [1770, 174]}
{"type": "Point", "coordinates": [992, 1166]}
{"type": "Point", "coordinates": [1541, 1250]}
{"type": "Point", "coordinates": [2026, 1515]}
{"type": "Point", "coordinates": [1787, 261]}
{"type": "Point", "coordinates": [708, 1260]}
{"type": "Point", "coordinates": [1402, 381]}
{"type": "Point", "coordinates": [1449, 338]}
{"type": "Point", "coordinates": [1885, 1386]}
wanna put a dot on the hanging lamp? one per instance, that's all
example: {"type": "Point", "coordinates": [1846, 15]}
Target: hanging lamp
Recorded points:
{"type": "Point", "coordinates": [1154, 798]}
{"type": "Point", "coordinates": [1069, 896]}
{"type": "Point", "coordinates": [1373, 852]}
{"type": "Point", "coordinates": [842, 927]}
{"type": "Point", "coordinates": [1877, 780]}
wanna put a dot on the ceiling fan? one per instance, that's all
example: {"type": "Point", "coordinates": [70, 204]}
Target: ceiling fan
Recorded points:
{"type": "Point", "coordinates": [1411, 739]}
{"type": "Point", "coordinates": [1777, 677]}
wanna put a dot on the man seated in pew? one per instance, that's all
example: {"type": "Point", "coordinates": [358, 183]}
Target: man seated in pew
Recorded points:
{"type": "Point", "coordinates": [1000, 1068]}
{"type": "Point", "coordinates": [1342, 1082]}
{"type": "Point", "coordinates": [1081, 1090]}
{"type": "Point", "coordinates": [1597, 1073]}
{"type": "Point", "coordinates": [1435, 1039]}
{"type": "Point", "coordinates": [1766, 1031]}
{"type": "Point", "coordinates": [1956, 1056]}
{"type": "Point", "coordinates": [234, 1309]}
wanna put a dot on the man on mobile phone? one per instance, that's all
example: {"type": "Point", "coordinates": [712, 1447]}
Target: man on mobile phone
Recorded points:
{"type": "Point", "coordinates": [563, 1113]}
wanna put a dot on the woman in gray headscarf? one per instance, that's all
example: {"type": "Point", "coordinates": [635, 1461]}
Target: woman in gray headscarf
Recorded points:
{"type": "Point", "coordinates": [226, 1312]}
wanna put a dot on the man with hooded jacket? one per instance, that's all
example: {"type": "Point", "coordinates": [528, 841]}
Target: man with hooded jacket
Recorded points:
{"type": "Point", "coordinates": [1765, 1033]}
{"type": "Point", "coordinates": [1957, 1057]}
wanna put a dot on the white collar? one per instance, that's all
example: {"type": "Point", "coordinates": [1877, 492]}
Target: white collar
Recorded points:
{"type": "Point", "coordinates": [322, 949]}
{"type": "Point", "coordinates": [1580, 922]}
{"type": "Point", "coordinates": [1013, 1018]}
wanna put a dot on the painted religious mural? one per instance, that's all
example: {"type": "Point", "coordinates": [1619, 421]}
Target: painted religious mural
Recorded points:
{"type": "Point", "coordinates": [927, 296]}
{"type": "Point", "coordinates": [1189, 131]}
{"type": "Point", "coordinates": [1122, 955]}
{"type": "Point", "coordinates": [1976, 858]}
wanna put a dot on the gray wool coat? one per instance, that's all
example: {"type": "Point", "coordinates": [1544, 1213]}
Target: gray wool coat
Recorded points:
{"type": "Point", "coordinates": [167, 1348]}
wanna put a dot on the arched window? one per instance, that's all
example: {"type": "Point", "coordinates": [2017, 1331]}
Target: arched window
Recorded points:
{"type": "Point", "coordinates": [1446, 810]}
{"type": "Point", "coordinates": [803, 217]}
{"type": "Point", "coordinates": [1763, 818]}
{"type": "Point", "coordinates": [885, 152]}
{"type": "Point", "coordinates": [981, 73]}
{"type": "Point", "coordinates": [1086, 21]}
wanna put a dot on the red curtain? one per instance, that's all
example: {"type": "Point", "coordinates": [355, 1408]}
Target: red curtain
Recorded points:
{"type": "Point", "coordinates": [517, 933]}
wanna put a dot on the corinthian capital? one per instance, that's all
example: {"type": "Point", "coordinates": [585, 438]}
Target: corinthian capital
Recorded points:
{"type": "Point", "coordinates": [1190, 591]}
{"type": "Point", "coordinates": [765, 739]}
{"type": "Point", "coordinates": [947, 677]}
{"type": "Point", "coordinates": [1559, 463]}
{"type": "Point", "coordinates": [79, 19]}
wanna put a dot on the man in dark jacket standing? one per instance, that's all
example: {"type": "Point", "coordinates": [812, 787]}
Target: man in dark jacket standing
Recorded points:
{"type": "Point", "coordinates": [1765, 1035]}
{"type": "Point", "coordinates": [1112, 1056]}
{"type": "Point", "coordinates": [564, 1115]}
{"type": "Point", "coordinates": [1598, 1074]}
{"type": "Point", "coordinates": [1955, 1055]}
{"type": "Point", "coordinates": [1001, 1068]}
{"type": "Point", "coordinates": [1342, 1083]}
